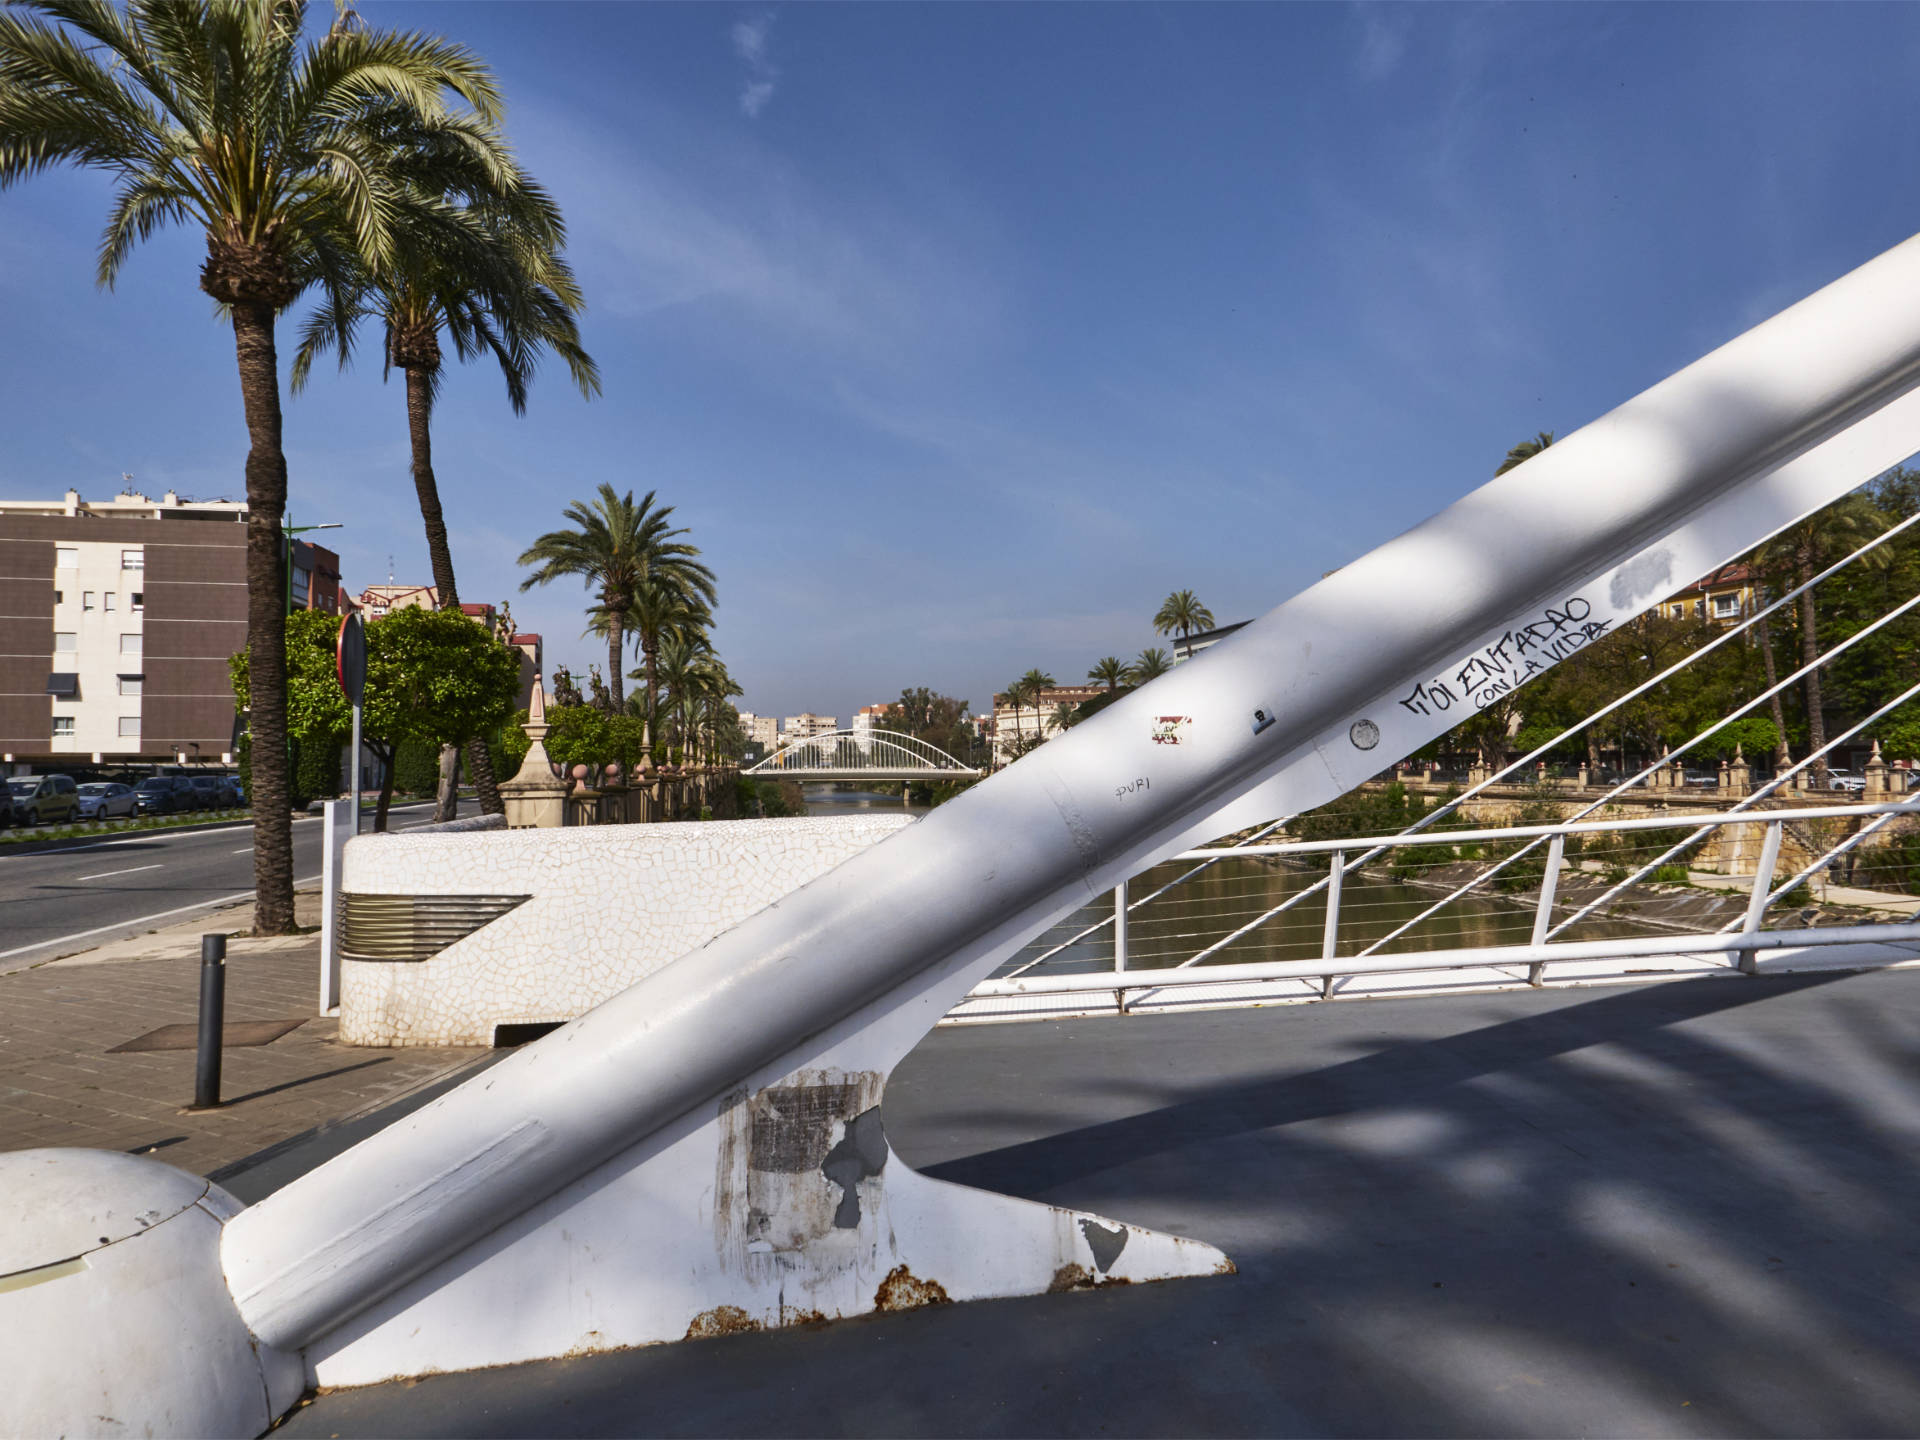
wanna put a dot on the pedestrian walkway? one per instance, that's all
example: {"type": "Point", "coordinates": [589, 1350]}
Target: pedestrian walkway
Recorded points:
{"type": "Point", "coordinates": [1882, 902]}
{"type": "Point", "coordinates": [60, 1085]}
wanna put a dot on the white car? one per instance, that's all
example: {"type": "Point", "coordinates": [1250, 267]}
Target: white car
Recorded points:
{"type": "Point", "coordinates": [105, 799]}
{"type": "Point", "coordinates": [1845, 780]}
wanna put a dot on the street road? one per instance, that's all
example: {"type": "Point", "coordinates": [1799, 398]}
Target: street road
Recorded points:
{"type": "Point", "coordinates": [60, 901]}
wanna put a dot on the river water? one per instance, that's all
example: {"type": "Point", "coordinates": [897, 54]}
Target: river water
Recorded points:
{"type": "Point", "coordinates": [1221, 898]}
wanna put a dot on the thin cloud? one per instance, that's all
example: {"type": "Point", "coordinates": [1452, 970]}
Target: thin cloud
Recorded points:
{"type": "Point", "coordinates": [750, 43]}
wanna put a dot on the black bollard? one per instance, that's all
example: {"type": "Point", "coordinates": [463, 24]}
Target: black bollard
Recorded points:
{"type": "Point", "coordinates": [213, 1008]}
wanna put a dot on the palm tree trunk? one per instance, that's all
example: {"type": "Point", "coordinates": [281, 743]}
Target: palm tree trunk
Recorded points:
{"type": "Point", "coordinates": [1781, 757]}
{"type": "Point", "coordinates": [440, 556]}
{"type": "Point", "coordinates": [616, 656]}
{"type": "Point", "coordinates": [1810, 652]}
{"type": "Point", "coordinates": [650, 653]}
{"type": "Point", "coordinates": [259, 366]}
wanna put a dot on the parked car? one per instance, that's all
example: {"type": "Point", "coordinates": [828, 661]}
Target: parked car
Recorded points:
{"type": "Point", "coordinates": [160, 795]}
{"type": "Point", "coordinates": [1703, 779]}
{"type": "Point", "coordinates": [1845, 780]}
{"type": "Point", "coordinates": [236, 792]}
{"type": "Point", "coordinates": [104, 799]}
{"type": "Point", "coordinates": [6, 806]}
{"type": "Point", "coordinates": [206, 792]}
{"type": "Point", "coordinates": [39, 799]}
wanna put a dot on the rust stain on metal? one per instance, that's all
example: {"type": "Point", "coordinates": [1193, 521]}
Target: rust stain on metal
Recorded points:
{"type": "Point", "coordinates": [1071, 1277]}
{"type": "Point", "coordinates": [903, 1290]}
{"type": "Point", "coordinates": [1226, 1267]}
{"type": "Point", "coordinates": [721, 1320]}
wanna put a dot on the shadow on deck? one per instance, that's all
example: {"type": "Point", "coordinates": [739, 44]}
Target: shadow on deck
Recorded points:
{"type": "Point", "coordinates": [1679, 1209]}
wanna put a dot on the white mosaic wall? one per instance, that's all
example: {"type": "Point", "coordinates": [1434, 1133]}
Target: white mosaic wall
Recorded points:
{"type": "Point", "coordinates": [611, 904]}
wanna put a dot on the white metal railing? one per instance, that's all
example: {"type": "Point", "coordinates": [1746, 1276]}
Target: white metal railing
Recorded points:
{"type": "Point", "coordinates": [1735, 945]}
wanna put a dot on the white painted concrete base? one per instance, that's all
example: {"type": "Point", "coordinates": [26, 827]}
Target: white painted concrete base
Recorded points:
{"type": "Point", "coordinates": [777, 1208]}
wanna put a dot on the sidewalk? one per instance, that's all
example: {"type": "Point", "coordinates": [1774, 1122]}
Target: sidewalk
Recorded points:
{"type": "Point", "coordinates": [60, 1086]}
{"type": "Point", "coordinates": [1884, 903]}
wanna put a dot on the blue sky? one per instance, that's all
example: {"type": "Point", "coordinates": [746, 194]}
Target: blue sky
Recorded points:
{"type": "Point", "coordinates": [961, 335]}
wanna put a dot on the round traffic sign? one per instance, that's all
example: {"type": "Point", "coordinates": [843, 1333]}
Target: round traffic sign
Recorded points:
{"type": "Point", "coordinates": [350, 658]}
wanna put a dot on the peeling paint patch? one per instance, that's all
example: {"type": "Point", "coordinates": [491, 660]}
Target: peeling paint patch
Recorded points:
{"type": "Point", "coordinates": [792, 1124]}
{"type": "Point", "coordinates": [902, 1290]}
{"type": "Point", "coordinates": [1106, 1242]}
{"type": "Point", "coordinates": [860, 1155]}
{"type": "Point", "coordinates": [721, 1320]}
{"type": "Point", "coordinates": [1071, 1277]}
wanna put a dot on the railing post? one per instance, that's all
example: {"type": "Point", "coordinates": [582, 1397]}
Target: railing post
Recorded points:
{"type": "Point", "coordinates": [1329, 940]}
{"type": "Point", "coordinates": [1120, 926]}
{"type": "Point", "coordinates": [336, 827]}
{"type": "Point", "coordinates": [1543, 917]}
{"type": "Point", "coordinates": [1757, 901]}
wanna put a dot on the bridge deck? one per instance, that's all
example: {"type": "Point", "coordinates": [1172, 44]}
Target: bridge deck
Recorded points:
{"type": "Point", "coordinates": [1676, 1209]}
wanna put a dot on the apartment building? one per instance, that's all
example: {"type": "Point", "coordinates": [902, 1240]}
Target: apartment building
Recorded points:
{"type": "Point", "coordinates": [1015, 724]}
{"type": "Point", "coordinates": [805, 726]}
{"type": "Point", "coordinates": [1727, 596]}
{"type": "Point", "coordinates": [762, 730]}
{"type": "Point", "coordinates": [116, 622]}
{"type": "Point", "coordinates": [378, 601]}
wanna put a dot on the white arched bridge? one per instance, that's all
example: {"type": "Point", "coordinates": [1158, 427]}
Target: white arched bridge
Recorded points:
{"type": "Point", "coordinates": [862, 755]}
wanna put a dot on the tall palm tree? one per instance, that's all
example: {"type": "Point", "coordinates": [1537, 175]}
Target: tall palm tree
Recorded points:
{"type": "Point", "coordinates": [482, 265]}
{"type": "Point", "coordinates": [1801, 552]}
{"type": "Point", "coordinates": [1037, 681]}
{"type": "Point", "coordinates": [221, 115]}
{"type": "Point", "coordinates": [615, 546]}
{"type": "Point", "coordinates": [1525, 451]}
{"type": "Point", "coordinates": [1182, 613]}
{"type": "Point", "coordinates": [1151, 664]}
{"type": "Point", "coordinates": [1111, 672]}
{"type": "Point", "coordinates": [665, 603]}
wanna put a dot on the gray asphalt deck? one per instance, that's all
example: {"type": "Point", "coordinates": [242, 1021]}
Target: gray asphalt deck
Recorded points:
{"type": "Point", "coordinates": [1677, 1209]}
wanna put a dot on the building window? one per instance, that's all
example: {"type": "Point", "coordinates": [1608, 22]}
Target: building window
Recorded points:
{"type": "Point", "coordinates": [137, 602]}
{"type": "Point", "coordinates": [130, 727]}
{"type": "Point", "coordinates": [130, 684]}
{"type": "Point", "coordinates": [129, 644]}
{"type": "Point", "coordinates": [133, 560]}
{"type": "Point", "coordinates": [301, 582]}
{"type": "Point", "coordinates": [59, 597]}
{"type": "Point", "coordinates": [106, 600]}
{"type": "Point", "coordinates": [63, 725]}
{"type": "Point", "coordinates": [67, 557]}
{"type": "Point", "coordinates": [1725, 605]}
{"type": "Point", "coordinates": [65, 642]}
{"type": "Point", "coordinates": [86, 599]}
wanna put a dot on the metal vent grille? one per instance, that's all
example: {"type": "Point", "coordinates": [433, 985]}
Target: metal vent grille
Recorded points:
{"type": "Point", "coordinates": [414, 927]}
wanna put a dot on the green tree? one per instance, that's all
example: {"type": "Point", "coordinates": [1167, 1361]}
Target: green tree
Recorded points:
{"type": "Point", "coordinates": [222, 115]}
{"type": "Point", "coordinates": [1112, 672]}
{"type": "Point", "coordinates": [1152, 664]}
{"type": "Point", "coordinates": [481, 265]}
{"type": "Point", "coordinates": [1181, 613]}
{"type": "Point", "coordinates": [616, 546]}
{"type": "Point", "coordinates": [662, 606]}
{"type": "Point", "coordinates": [433, 678]}
{"type": "Point", "coordinates": [1798, 554]}
{"type": "Point", "coordinates": [1525, 451]}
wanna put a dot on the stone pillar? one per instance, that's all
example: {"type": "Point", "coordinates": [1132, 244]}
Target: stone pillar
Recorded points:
{"type": "Point", "coordinates": [1663, 777]}
{"type": "Point", "coordinates": [1585, 777]}
{"type": "Point", "coordinates": [535, 798]}
{"type": "Point", "coordinates": [614, 793]}
{"type": "Point", "coordinates": [1726, 776]}
{"type": "Point", "coordinates": [1876, 777]}
{"type": "Point", "coordinates": [1739, 774]}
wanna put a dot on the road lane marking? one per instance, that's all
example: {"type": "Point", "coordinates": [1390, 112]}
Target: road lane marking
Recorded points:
{"type": "Point", "coordinates": [243, 850]}
{"type": "Point", "coordinates": [157, 837]}
{"type": "Point", "coordinates": [109, 874]}
{"type": "Point", "coordinates": [139, 920]}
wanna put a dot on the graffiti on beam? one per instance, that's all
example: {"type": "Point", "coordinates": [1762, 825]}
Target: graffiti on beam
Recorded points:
{"type": "Point", "coordinates": [1524, 651]}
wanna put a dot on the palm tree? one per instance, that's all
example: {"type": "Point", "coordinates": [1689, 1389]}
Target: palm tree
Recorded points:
{"type": "Point", "coordinates": [1525, 451]}
{"type": "Point", "coordinates": [1801, 552]}
{"type": "Point", "coordinates": [1182, 612]}
{"type": "Point", "coordinates": [1036, 681]}
{"type": "Point", "coordinates": [665, 603]}
{"type": "Point", "coordinates": [1151, 664]}
{"type": "Point", "coordinates": [1111, 672]}
{"type": "Point", "coordinates": [616, 546]}
{"type": "Point", "coordinates": [220, 114]}
{"type": "Point", "coordinates": [482, 265]}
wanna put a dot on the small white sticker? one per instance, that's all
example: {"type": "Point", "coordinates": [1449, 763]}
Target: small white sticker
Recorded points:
{"type": "Point", "coordinates": [1364, 734]}
{"type": "Point", "coordinates": [1169, 729]}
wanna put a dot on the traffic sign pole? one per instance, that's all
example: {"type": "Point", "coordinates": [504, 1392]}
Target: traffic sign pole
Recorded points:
{"type": "Point", "coordinates": [350, 667]}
